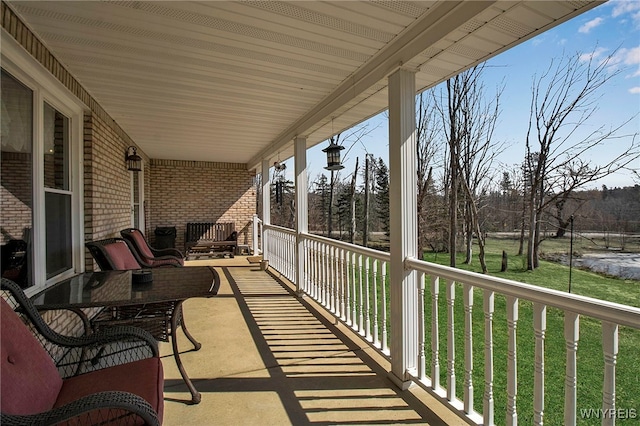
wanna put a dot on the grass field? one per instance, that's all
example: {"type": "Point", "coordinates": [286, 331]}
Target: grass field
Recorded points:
{"type": "Point", "coordinates": [590, 356]}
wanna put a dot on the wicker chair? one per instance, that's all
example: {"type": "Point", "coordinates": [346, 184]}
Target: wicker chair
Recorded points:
{"type": "Point", "coordinates": [115, 254]}
{"type": "Point", "coordinates": [148, 254]}
{"type": "Point", "coordinates": [118, 254]}
{"type": "Point", "coordinates": [113, 376]}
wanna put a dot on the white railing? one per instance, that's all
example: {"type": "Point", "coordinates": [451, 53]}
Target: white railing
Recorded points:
{"type": "Point", "coordinates": [279, 248]}
{"type": "Point", "coordinates": [351, 282]}
{"type": "Point", "coordinates": [515, 294]}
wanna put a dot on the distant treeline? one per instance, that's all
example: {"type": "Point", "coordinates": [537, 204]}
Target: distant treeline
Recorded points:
{"type": "Point", "coordinates": [612, 210]}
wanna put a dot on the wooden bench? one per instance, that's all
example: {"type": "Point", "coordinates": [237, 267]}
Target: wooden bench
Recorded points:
{"type": "Point", "coordinates": [210, 239]}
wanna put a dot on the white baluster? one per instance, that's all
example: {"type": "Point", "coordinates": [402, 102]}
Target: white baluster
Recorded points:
{"type": "Point", "coordinates": [421, 326]}
{"type": "Point", "coordinates": [385, 344]}
{"type": "Point", "coordinates": [376, 339]}
{"type": "Point", "coordinates": [314, 271]}
{"type": "Point", "coordinates": [451, 348]}
{"type": "Point", "coordinates": [331, 270]}
{"type": "Point", "coordinates": [512, 361]}
{"type": "Point", "coordinates": [571, 337]}
{"type": "Point", "coordinates": [487, 406]}
{"type": "Point", "coordinates": [339, 284]}
{"type": "Point", "coordinates": [327, 277]}
{"type": "Point", "coordinates": [305, 266]}
{"type": "Point", "coordinates": [292, 253]}
{"type": "Point", "coordinates": [354, 295]}
{"type": "Point", "coordinates": [361, 299]}
{"type": "Point", "coordinates": [343, 285]}
{"type": "Point", "coordinates": [347, 283]}
{"type": "Point", "coordinates": [323, 276]}
{"type": "Point", "coordinates": [539, 329]}
{"type": "Point", "coordinates": [435, 337]}
{"type": "Point", "coordinates": [336, 282]}
{"type": "Point", "coordinates": [367, 303]}
{"type": "Point", "coordinates": [467, 291]}
{"type": "Point", "coordinates": [610, 349]}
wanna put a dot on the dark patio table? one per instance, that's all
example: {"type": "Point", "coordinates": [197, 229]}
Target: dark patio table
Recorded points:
{"type": "Point", "coordinates": [169, 288]}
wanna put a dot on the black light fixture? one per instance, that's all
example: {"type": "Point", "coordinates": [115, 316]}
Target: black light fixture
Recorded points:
{"type": "Point", "coordinates": [333, 156]}
{"type": "Point", "coordinates": [134, 161]}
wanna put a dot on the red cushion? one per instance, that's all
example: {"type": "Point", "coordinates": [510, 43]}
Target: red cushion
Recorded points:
{"type": "Point", "coordinates": [121, 256]}
{"type": "Point", "coordinates": [30, 381]}
{"type": "Point", "coordinates": [159, 261]}
{"type": "Point", "coordinates": [141, 243]}
{"type": "Point", "coordinates": [144, 378]}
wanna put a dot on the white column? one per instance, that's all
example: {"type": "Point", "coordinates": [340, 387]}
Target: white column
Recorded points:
{"type": "Point", "coordinates": [402, 224]}
{"type": "Point", "coordinates": [302, 209]}
{"type": "Point", "coordinates": [266, 207]}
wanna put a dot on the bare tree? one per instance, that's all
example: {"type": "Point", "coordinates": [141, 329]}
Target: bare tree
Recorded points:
{"type": "Point", "coordinates": [468, 122]}
{"type": "Point", "coordinates": [352, 204]}
{"type": "Point", "coordinates": [428, 137]}
{"type": "Point", "coordinates": [478, 152]}
{"type": "Point", "coordinates": [564, 98]}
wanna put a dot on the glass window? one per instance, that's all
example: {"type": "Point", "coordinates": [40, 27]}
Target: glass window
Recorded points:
{"type": "Point", "coordinates": [57, 201]}
{"type": "Point", "coordinates": [38, 198]}
{"type": "Point", "coordinates": [56, 149]}
{"type": "Point", "coordinates": [136, 199]}
{"type": "Point", "coordinates": [16, 175]}
{"type": "Point", "coordinates": [58, 230]}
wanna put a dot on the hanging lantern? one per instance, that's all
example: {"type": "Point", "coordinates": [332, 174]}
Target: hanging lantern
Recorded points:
{"type": "Point", "coordinates": [134, 161]}
{"type": "Point", "coordinates": [333, 156]}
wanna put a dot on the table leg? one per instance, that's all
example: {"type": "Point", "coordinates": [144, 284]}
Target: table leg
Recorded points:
{"type": "Point", "coordinates": [195, 395]}
{"type": "Point", "coordinates": [196, 345]}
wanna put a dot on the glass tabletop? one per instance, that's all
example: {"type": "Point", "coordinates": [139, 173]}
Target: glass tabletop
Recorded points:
{"type": "Point", "coordinates": [120, 288]}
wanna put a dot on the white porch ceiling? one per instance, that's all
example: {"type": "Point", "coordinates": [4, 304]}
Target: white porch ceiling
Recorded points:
{"type": "Point", "coordinates": [237, 81]}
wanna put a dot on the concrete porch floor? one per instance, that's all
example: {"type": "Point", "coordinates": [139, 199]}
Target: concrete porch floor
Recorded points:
{"type": "Point", "coordinates": [270, 358]}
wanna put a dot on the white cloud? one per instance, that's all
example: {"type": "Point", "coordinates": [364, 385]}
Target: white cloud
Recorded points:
{"type": "Point", "coordinates": [629, 58]}
{"type": "Point", "coordinates": [635, 90]}
{"type": "Point", "coordinates": [621, 7]}
{"type": "Point", "coordinates": [627, 7]}
{"type": "Point", "coordinates": [593, 56]}
{"type": "Point", "coordinates": [587, 27]}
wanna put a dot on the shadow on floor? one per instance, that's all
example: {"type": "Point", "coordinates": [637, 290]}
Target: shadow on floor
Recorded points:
{"type": "Point", "coordinates": [296, 367]}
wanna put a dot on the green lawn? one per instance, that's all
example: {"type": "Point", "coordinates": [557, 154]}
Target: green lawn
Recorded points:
{"type": "Point", "coordinates": [590, 357]}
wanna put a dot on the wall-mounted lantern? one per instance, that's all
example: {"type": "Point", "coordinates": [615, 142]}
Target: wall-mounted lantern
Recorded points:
{"type": "Point", "coordinates": [134, 161]}
{"type": "Point", "coordinates": [333, 156]}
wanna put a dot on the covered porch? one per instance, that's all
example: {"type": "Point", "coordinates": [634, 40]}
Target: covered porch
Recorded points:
{"type": "Point", "coordinates": [211, 94]}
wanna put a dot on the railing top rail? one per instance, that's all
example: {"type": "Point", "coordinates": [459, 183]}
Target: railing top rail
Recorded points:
{"type": "Point", "coordinates": [365, 251]}
{"type": "Point", "coordinates": [594, 308]}
{"type": "Point", "coordinates": [279, 229]}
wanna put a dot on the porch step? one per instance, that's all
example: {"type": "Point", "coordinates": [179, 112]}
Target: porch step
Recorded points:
{"type": "Point", "coordinates": [254, 259]}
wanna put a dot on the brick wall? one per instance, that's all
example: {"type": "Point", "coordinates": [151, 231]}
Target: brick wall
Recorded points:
{"type": "Point", "coordinates": [196, 191]}
{"type": "Point", "coordinates": [107, 182]}
{"type": "Point", "coordinates": [15, 195]}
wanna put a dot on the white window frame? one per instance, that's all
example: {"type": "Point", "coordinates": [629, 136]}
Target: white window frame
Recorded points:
{"type": "Point", "coordinates": [46, 88]}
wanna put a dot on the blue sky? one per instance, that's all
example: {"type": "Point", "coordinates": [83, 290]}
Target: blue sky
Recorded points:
{"type": "Point", "coordinates": [613, 25]}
